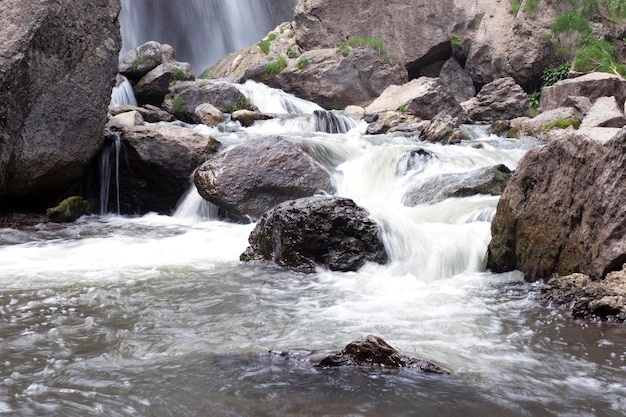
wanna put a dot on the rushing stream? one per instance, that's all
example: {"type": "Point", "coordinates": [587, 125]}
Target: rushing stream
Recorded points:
{"type": "Point", "coordinates": [156, 316]}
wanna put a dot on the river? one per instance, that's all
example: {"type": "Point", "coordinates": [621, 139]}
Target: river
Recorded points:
{"type": "Point", "coordinates": [156, 316]}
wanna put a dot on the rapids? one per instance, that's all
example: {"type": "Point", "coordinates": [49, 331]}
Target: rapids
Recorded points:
{"type": "Point", "coordinates": [156, 316]}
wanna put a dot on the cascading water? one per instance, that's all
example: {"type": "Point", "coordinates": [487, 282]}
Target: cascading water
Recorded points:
{"type": "Point", "coordinates": [109, 169]}
{"type": "Point", "coordinates": [122, 94]}
{"type": "Point", "coordinates": [201, 31]}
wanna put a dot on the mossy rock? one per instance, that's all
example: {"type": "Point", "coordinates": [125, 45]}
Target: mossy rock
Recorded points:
{"type": "Point", "coordinates": [69, 210]}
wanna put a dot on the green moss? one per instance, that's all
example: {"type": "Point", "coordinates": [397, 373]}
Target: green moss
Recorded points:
{"type": "Point", "coordinates": [69, 210]}
{"type": "Point", "coordinates": [177, 105]}
{"type": "Point", "coordinates": [276, 67]}
{"type": "Point", "coordinates": [562, 123]}
{"type": "Point", "coordinates": [515, 6]}
{"type": "Point", "coordinates": [377, 44]}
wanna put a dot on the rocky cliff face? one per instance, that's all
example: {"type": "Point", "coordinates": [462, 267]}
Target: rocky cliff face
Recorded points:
{"type": "Point", "coordinates": [58, 61]}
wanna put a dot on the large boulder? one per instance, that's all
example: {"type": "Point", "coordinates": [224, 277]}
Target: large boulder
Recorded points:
{"type": "Point", "coordinates": [249, 179]}
{"type": "Point", "coordinates": [317, 231]}
{"type": "Point", "coordinates": [331, 78]}
{"type": "Point", "coordinates": [422, 97]}
{"type": "Point", "coordinates": [154, 85]}
{"type": "Point", "coordinates": [592, 86]}
{"type": "Point", "coordinates": [157, 166]}
{"type": "Point", "coordinates": [563, 211]}
{"type": "Point", "coordinates": [501, 99]}
{"type": "Point", "coordinates": [58, 62]}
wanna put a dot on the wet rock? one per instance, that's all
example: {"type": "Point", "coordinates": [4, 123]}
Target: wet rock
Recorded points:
{"type": "Point", "coordinates": [372, 351]}
{"type": "Point", "coordinates": [592, 86]}
{"type": "Point", "coordinates": [157, 163]}
{"type": "Point", "coordinates": [485, 181]}
{"type": "Point", "coordinates": [443, 129]}
{"type": "Point", "coordinates": [55, 88]}
{"type": "Point", "coordinates": [69, 210]}
{"type": "Point", "coordinates": [248, 117]}
{"type": "Point", "coordinates": [501, 99]}
{"type": "Point", "coordinates": [563, 211]}
{"type": "Point", "coordinates": [605, 299]}
{"type": "Point", "coordinates": [330, 78]}
{"type": "Point", "coordinates": [251, 178]}
{"type": "Point", "coordinates": [141, 60]}
{"type": "Point", "coordinates": [154, 86]}
{"type": "Point", "coordinates": [303, 234]}
{"type": "Point", "coordinates": [394, 121]}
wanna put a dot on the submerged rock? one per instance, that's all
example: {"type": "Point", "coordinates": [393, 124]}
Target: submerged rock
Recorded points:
{"type": "Point", "coordinates": [69, 210]}
{"type": "Point", "coordinates": [486, 181]}
{"type": "Point", "coordinates": [249, 179]}
{"type": "Point", "coordinates": [317, 231]}
{"type": "Point", "coordinates": [563, 211]}
{"type": "Point", "coordinates": [372, 351]}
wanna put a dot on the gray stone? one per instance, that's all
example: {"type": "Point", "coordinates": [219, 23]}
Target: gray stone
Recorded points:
{"type": "Point", "coordinates": [249, 179]}
{"type": "Point", "coordinates": [605, 112]}
{"type": "Point", "coordinates": [154, 86]}
{"type": "Point", "coordinates": [58, 63]}
{"type": "Point", "coordinates": [501, 99]}
{"type": "Point", "coordinates": [592, 86]}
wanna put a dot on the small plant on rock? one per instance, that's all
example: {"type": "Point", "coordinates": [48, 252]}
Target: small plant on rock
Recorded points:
{"type": "Point", "coordinates": [275, 67]}
{"type": "Point", "coordinates": [303, 63]}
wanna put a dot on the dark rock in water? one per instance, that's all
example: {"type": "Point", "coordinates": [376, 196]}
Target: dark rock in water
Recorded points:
{"type": "Point", "coordinates": [156, 165]}
{"type": "Point", "coordinates": [317, 231]}
{"type": "Point", "coordinates": [249, 179]}
{"type": "Point", "coordinates": [372, 351]}
{"type": "Point", "coordinates": [69, 210]}
{"type": "Point", "coordinates": [604, 299]}
{"type": "Point", "coordinates": [487, 181]}
{"type": "Point", "coordinates": [58, 63]}
{"type": "Point", "coordinates": [563, 211]}
{"type": "Point", "coordinates": [414, 161]}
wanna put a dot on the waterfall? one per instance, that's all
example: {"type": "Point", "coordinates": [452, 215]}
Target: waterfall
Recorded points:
{"type": "Point", "coordinates": [122, 93]}
{"type": "Point", "coordinates": [109, 169]}
{"type": "Point", "coordinates": [193, 206]}
{"type": "Point", "coordinates": [201, 31]}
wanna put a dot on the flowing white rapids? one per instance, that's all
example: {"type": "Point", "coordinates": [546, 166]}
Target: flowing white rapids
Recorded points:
{"type": "Point", "coordinates": [156, 315]}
